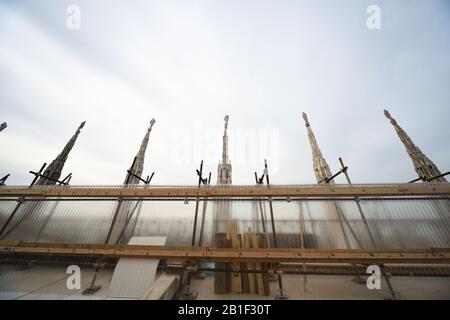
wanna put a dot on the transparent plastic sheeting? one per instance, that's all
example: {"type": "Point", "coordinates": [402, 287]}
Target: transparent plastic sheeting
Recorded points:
{"type": "Point", "coordinates": [310, 223]}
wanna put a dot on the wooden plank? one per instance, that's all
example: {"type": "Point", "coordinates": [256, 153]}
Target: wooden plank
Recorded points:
{"type": "Point", "coordinates": [256, 255]}
{"type": "Point", "coordinates": [265, 276]}
{"type": "Point", "coordinates": [243, 267]}
{"type": "Point", "coordinates": [220, 278]}
{"type": "Point", "coordinates": [335, 190]}
{"type": "Point", "coordinates": [236, 283]}
{"type": "Point", "coordinates": [250, 266]}
{"type": "Point", "coordinates": [258, 276]}
{"type": "Point", "coordinates": [228, 266]}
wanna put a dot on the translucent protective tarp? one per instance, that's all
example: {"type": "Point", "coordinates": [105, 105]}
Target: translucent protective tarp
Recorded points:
{"type": "Point", "coordinates": [309, 223]}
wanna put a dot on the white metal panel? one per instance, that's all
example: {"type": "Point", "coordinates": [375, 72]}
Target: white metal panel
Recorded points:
{"type": "Point", "coordinates": [132, 278]}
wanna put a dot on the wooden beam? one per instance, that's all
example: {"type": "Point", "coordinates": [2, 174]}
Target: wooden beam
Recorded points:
{"type": "Point", "coordinates": [344, 190]}
{"type": "Point", "coordinates": [373, 256]}
{"type": "Point", "coordinates": [221, 278]}
{"type": "Point", "coordinates": [236, 283]}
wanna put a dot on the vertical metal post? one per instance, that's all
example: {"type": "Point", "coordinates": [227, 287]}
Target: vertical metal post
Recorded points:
{"type": "Point", "coordinates": [195, 222]}
{"type": "Point", "coordinates": [113, 222]}
{"type": "Point", "coordinates": [388, 281]}
{"type": "Point", "coordinates": [197, 200]}
{"type": "Point", "coordinates": [200, 238]}
{"type": "Point", "coordinates": [275, 244]}
{"type": "Point", "coordinates": [20, 201]}
{"type": "Point", "coordinates": [274, 233]}
{"type": "Point", "coordinates": [358, 205]}
{"type": "Point", "coordinates": [194, 231]}
{"type": "Point", "coordinates": [11, 216]}
{"type": "Point", "coordinates": [263, 221]}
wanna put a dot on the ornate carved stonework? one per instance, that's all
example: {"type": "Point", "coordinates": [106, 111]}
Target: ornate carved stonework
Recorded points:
{"type": "Point", "coordinates": [321, 168]}
{"type": "Point", "coordinates": [424, 167]}
{"type": "Point", "coordinates": [55, 168]}
{"type": "Point", "coordinates": [140, 156]}
{"type": "Point", "coordinates": [224, 167]}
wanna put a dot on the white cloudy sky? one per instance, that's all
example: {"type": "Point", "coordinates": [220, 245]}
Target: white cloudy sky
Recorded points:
{"type": "Point", "coordinates": [188, 63]}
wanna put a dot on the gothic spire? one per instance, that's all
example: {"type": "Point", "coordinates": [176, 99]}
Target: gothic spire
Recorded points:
{"type": "Point", "coordinates": [424, 167]}
{"type": "Point", "coordinates": [224, 167]}
{"type": "Point", "coordinates": [225, 141]}
{"type": "Point", "coordinates": [55, 168]}
{"type": "Point", "coordinates": [321, 168]}
{"type": "Point", "coordinates": [138, 166]}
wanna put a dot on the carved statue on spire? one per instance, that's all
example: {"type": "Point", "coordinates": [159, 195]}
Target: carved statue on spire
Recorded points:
{"type": "Point", "coordinates": [388, 115]}
{"type": "Point", "coordinates": [224, 168]}
{"type": "Point", "coordinates": [152, 122]}
{"type": "Point", "coordinates": [424, 167]}
{"type": "Point", "coordinates": [3, 126]}
{"type": "Point", "coordinates": [305, 117]}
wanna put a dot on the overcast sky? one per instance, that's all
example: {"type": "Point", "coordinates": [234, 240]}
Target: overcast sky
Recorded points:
{"type": "Point", "coordinates": [188, 63]}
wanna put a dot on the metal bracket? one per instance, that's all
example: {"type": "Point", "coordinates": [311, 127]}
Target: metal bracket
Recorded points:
{"type": "Point", "coordinates": [131, 173]}
{"type": "Point", "coordinates": [3, 180]}
{"type": "Point", "coordinates": [191, 268]}
{"type": "Point", "coordinates": [39, 174]}
{"type": "Point", "coordinates": [430, 179]}
{"type": "Point", "coordinates": [201, 180]}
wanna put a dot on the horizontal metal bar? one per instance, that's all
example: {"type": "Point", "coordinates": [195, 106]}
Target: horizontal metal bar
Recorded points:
{"type": "Point", "coordinates": [335, 190]}
{"type": "Point", "coordinates": [439, 176]}
{"type": "Point", "coordinates": [429, 270]}
{"type": "Point", "coordinates": [375, 256]}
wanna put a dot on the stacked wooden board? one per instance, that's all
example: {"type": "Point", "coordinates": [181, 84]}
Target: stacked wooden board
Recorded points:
{"type": "Point", "coordinates": [244, 277]}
